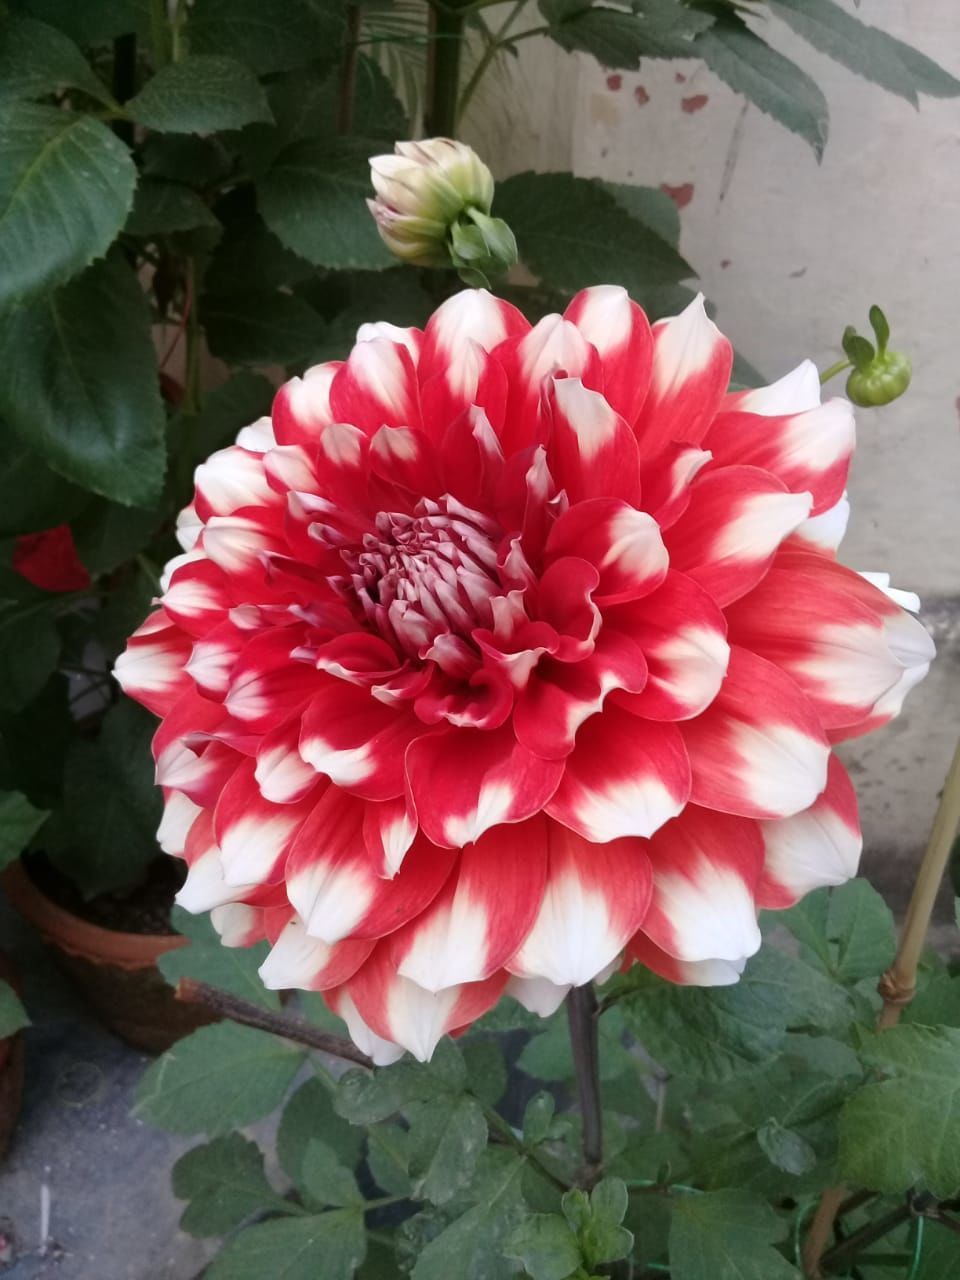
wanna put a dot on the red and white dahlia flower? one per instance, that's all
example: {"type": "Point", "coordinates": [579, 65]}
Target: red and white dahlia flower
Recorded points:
{"type": "Point", "coordinates": [504, 654]}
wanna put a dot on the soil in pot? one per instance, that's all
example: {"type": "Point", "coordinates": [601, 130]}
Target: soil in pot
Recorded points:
{"type": "Point", "coordinates": [11, 1070]}
{"type": "Point", "coordinates": [110, 944]}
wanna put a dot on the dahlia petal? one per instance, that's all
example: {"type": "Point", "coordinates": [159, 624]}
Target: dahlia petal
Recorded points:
{"type": "Point", "coordinates": [625, 777]}
{"type": "Point", "coordinates": [796, 392]}
{"type": "Point", "coordinates": [189, 527]}
{"type": "Point", "coordinates": [301, 408]}
{"type": "Point", "coordinates": [691, 370]}
{"type": "Point", "coordinates": [399, 1010]}
{"type": "Point", "coordinates": [299, 961]}
{"type": "Point", "coordinates": [382, 1052]}
{"type": "Point", "coordinates": [230, 479]}
{"type": "Point", "coordinates": [592, 452]}
{"type": "Point", "coordinates": [819, 846]}
{"type": "Point", "coordinates": [613, 323]}
{"type": "Point", "coordinates": [686, 973]}
{"type": "Point", "coordinates": [808, 451]}
{"type": "Point", "coordinates": [197, 596]}
{"type": "Point", "coordinates": [471, 459]}
{"type": "Point", "coordinates": [342, 454]}
{"type": "Point", "coordinates": [376, 387]}
{"type": "Point", "coordinates": [357, 741]}
{"type": "Point", "coordinates": [179, 813]}
{"type": "Point", "coordinates": [338, 889]}
{"type": "Point", "coordinates": [483, 913]}
{"type": "Point", "coordinates": [410, 338]}
{"type": "Point", "coordinates": [729, 534]}
{"type": "Point", "coordinates": [595, 899]}
{"type": "Point", "coordinates": [268, 681]}
{"type": "Point", "coordinates": [199, 772]}
{"type": "Point", "coordinates": [402, 456]}
{"type": "Point", "coordinates": [151, 668]}
{"type": "Point", "coordinates": [682, 634]}
{"type": "Point", "coordinates": [552, 348]}
{"type": "Point", "coordinates": [560, 696]}
{"type": "Point", "coordinates": [213, 658]}
{"type": "Point", "coordinates": [254, 835]}
{"type": "Point", "coordinates": [470, 316]}
{"type": "Point", "coordinates": [205, 886]}
{"type": "Point", "coordinates": [238, 924]}
{"type": "Point", "coordinates": [825, 531]}
{"type": "Point", "coordinates": [238, 542]}
{"type": "Point", "coordinates": [835, 647]}
{"type": "Point", "coordinates": [388, 832]}
{"type": "Point", "coordinates": [537, 995]}
{"type": "Point", "coordinates": [462, 782]}
{"type": "Point", "coordinates": [291, 467]}
{"type": "Point", "coordinates": [759, 749]}
{"type": "Point", "coordinates": [258, 436]}
{"type": "Point", "coordinates": [706, 868]}
{"type": "Point", "coordinates": [281, 773]}
{"type": "Point", "coordinates": [666, 482]}
{"type": "Point", "coordinates": [622, 543]}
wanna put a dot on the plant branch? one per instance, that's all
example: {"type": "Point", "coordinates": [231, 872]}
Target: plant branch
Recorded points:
{"type": "Point", "coordinates": [833, 371]}
{"type": "Point", "coordinates": [494, 40]}
{"type": "Point", "coordinates": [502, 1132]}
{"type": "Point", "coordinates": [286, 1025]}
{"type": "Point", "coordinates": [584, 1042]}
{"type": "Point", "coordinates": [443, 73]}
{"type": "Point", "coordinates": [847, 1250]}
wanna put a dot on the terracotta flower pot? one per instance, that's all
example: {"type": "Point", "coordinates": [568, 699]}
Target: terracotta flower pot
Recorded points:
{"type": "Point", "coordinates": [116, 972]}
{"type": "Point", "coordinates": [11, 1070]}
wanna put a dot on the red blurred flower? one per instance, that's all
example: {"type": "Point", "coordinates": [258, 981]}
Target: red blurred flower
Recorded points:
{"type": "Point", "coordinates": [506, 651]}
{"type": "Point", "coordinates": [49, 560]}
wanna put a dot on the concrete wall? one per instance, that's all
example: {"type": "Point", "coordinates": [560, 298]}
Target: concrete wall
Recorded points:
{"type": "Point", "coordinates": [789, 250]}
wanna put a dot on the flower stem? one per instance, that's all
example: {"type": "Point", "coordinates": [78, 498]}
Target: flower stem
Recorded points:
{"type": "Point", "coordinates": [494, 44]}
{"type": "Point", "coordinates": [584, 1041]}
{"type": "Point", "coordinates": [899, 983]}
{"type": "Point", "coordinates": [833, 371]}
{"type": "Point", "coordinates": [286, 1025]}
{"type": "Point", "coordinates": [347, 87]}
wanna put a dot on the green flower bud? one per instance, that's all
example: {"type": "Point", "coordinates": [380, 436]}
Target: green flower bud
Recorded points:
{"type": "Point", "coordinates": [432, 209]}
{"type": "Point", "coordinates": [879, 375]}
{"type": "Point", "coordinates": [884, 379]}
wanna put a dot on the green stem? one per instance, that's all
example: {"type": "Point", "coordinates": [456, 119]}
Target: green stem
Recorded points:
{"type": "Point", "coordinates": [833, 371]}
{"type": "Point", "coordinates": [490, 52]}
{"type": "Point", "coordinates": [444, 73]}
{"type": "Point", "coordinates": [497, 1123]}
{"type": "Point", "coordinates": [347, 88]}
{"type": "Point", "coordinates": [847, 1250]}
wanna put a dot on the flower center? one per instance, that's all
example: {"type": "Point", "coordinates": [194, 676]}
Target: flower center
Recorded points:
{"type": "Point", "coordinates": [430, 573]}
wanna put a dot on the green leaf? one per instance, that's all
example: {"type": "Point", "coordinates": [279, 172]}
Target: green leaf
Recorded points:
{"type": "Point", "coordinates": [313, 201]}
{"type": "Point", "coordinates": [862, 926]}
{"type": "Point", "coordinates": [206, 959]}
{"type": "Point", "coordinates": [388, 1156]}
{"type": "Point", "coordinates": [32, 497]}
{"type": "Point", "coordinates": [486, 1069]}
{"type": "Point", "coordinates": [66, 187]}
{"type": "Point", "coordinates": [107, 534]}
{"type": "Point", "coordinates": [726, 1235]}
{"type": "Point", "coordinates": [866, 50]}
{"type": "Point", "coordinates": [93, 21]}
{"type": "Point", "coordinates": [547, 1056]}
{"type": "Point", "coordinates": [19, 823]}
{"type": "Point", "coordinates": [111, 803]}
{"type": "Point", "coordinates": [217, 1079]}
{"type": "Point", "coordinates": [448, 1136]}
{"type": "Point", "coordinates": [240, 401]}
{"type": "Point", "coordinates": [545, 1245]}
{"type": "Point", "coordinates": [200, 94]}
{"type": "Point", "coordinates": [651, 207]}
{"type": "Point", "coordinates": [250, 253]}
{"type": "Point", "coordinates": [29, 651]}
{"type": "Point", "coordinates": [940, 1255]}
{"type": "Point", "coordinates": [80, 384]}
{"type": "Point", "coordinates": [618, 38]}
{"type": "Point", "coordinates": [572, 232]}
{"type": "Point", "coordinates": [37, 59]}
{"type": "Point", "coordinates": [225, 1184]}
{"type": "Point", "coordinates": [268, 35]}
{"type": "Point", "coordinates": [310, 1115]}
{"type": "Point", "coordinates": [324, 1179]}
{"type": "Point", "coordinates": [331, 1245]}
{"type": "Point", "coordinates": [538, 1118]}
{"type": "Point", "coordinates": [602, 1238]}
{"type": "Point", "coordinates": [13, 1016]}
{"type": "Point", "coordinates": [365, 1097]}
{"type": "Point", "coordinates": [470, 1248]}
{"type": "Point", "coordinates": [881, 327]}
{"type": "Point", "coordinates": [906, 1128]}
{"type": "Point", "coordinates": [772, 82]}
{"type": "Point", "coordinates": [260, 328]}
{"type": "Point", "coordinates": [785, 1148]}
{"type": "Point", "coordinates": [161, 208]}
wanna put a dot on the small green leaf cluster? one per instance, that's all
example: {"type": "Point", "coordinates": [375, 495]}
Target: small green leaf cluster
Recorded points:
{"type": "Point", "coordinates": [879, 375]}
{"type": "Point", "coordinates": [727, 1113]}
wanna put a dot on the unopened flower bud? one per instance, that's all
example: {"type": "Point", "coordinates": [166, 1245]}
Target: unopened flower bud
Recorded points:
{"type": "Point", "coordinates": [432, 209]}
{"type": "Point", "coordinates": [879, 376]}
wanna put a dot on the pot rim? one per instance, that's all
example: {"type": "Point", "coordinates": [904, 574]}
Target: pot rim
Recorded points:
{"type": "Point", "coordinates": [79, 937]}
